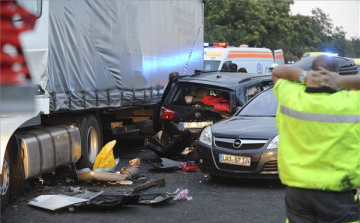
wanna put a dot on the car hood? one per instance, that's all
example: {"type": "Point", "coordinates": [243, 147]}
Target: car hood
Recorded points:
{"type": "Point", "coordinates": [246, 127]}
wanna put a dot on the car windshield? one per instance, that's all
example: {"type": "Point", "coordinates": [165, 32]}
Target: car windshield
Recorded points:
{"type": "Point", "coordinates": [263, 105]}
{"type": "Point", "coordinates": [211, 65]}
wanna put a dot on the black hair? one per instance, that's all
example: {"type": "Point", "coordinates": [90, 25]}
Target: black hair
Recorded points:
{"type": "Point", "coordinates": [233, 67]}
{"type": "Point", "coordinates": [242, 70]}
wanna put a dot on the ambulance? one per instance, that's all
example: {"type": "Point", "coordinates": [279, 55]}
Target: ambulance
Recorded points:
{"type": "Point", "coordinates": [219, 56]}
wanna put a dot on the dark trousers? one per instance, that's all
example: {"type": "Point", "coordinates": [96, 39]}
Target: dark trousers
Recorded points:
{"type": "Point", "coordinates": [315, 206]}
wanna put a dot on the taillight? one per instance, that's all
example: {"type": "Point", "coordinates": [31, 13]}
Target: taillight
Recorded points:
{"type": "Point", "coordinates": [167, 113]}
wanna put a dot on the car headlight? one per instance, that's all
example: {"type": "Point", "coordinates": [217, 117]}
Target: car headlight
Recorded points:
{"type": "Point", "coordinates": [274, 144]}
{"type": "Point", "coordinates": [206, 136]}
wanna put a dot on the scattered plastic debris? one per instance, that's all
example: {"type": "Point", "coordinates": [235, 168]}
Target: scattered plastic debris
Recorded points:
{"type": "Point", "coordinates": [155, 198]}
{"type": "Point", "coordinates": [76, 189]}
{"type": "Point", "coordinates": [87, 175]}
{"type": "Point", "coordinates": [158, 183]}
{"type": "Point", "coordinates": [122, 182]}
{"type": "Point", "coordinates": [182, 194]}
{"type": "Point", "coordinates": [55, 202]}
{"type": "Point", "coordinates": [86, 194]}
{"type": "Point", "coordinates": [69, 180]}
{"type": "Point", "coordinates": [189, 166]}
{"type": "Point", "coordinates": [108, 202]}
{"type": "Point", "coordinates": [133, 169]}
{"type": "Point", "coordinates": [109, 169]}
{"type": "Point", "coordinates": [166, 164]}
{"type": "Point", "coordinates": [105, 159]}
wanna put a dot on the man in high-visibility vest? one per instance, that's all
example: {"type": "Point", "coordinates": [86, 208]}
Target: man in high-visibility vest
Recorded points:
{"type": "Point", "coordinates": [319, 144]}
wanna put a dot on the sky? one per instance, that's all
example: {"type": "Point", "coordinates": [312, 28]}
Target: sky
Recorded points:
{"type": "Point", "coordinates": [343, 13]}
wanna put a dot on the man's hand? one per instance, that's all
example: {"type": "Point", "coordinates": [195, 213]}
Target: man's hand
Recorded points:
{"type": "Point", "coordinates": [313, 79]}
{"type": "Point", "coordinates": [329, 79]}
{"type": "Point", "coordinates": [322, 78]}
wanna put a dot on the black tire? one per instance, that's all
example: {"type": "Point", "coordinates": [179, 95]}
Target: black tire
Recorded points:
{"type": "Point", "coordinates": [91, 142]}
{"type": "Point", "coordinates": [5, 181]}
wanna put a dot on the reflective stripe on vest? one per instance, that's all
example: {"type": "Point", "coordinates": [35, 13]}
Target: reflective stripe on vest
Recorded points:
{"type": "Point", "coordinates": [319, 117]}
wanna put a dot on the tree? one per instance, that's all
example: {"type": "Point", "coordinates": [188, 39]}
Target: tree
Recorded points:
{"type": "Point", "coordinates": [269, 23]}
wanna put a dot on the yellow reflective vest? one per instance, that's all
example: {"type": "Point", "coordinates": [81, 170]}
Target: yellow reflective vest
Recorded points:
{"type": "Point", "coordinates": [319, 137]}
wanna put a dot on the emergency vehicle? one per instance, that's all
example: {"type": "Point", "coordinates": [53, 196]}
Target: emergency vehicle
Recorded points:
{"type": "Point", "coordinates": [219, 56]}
{"type": "Point", "coordinates": [311, 54]}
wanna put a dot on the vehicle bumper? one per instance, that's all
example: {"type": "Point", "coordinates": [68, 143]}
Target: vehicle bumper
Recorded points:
{"type": "Point", "coordinates": [265, 168]}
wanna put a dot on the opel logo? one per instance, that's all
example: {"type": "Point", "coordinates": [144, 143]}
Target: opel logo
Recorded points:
{"type": "Point", "coordinates": [237, 143]}
{"type": "Point", "coordinates": [197, 115]}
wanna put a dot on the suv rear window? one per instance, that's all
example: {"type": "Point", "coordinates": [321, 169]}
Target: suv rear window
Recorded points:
{"type": "Point", "coordinates": [190, 94]}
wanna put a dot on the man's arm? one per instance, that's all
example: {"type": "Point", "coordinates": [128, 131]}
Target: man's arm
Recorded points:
{"type": "Point", "coordinates": [286, 72]}
{"type": "Point", "coordinates": [313, 78]}
{"type": "Point", "coordinates": [334, 80]}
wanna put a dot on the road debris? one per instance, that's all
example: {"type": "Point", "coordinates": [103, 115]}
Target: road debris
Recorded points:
{"type": "Point", "coordinates": [165, 164]}
{"type": "Point", "coordinates": [132, 170]}
{"type": "Point", "coordinates": [55, 202]}
{"type": "Point", "coordinates": [87, 175]}
{"type": "Point", "coordinates": [189, 166]}
{"type": "Point", "coordinates": [182, 194]}
{"type": "Point", "coordinates": [158, 183]}
{"type": "Point", "coordinates": [122, 182]}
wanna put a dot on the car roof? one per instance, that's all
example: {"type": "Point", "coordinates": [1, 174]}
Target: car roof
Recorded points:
{"type": "Point", "coordinates": [346, 65]}
{"type": "Point", "coordinates": [223, 79]}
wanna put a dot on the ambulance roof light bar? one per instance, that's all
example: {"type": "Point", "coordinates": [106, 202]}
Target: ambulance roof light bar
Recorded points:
{"type": "Point", "coordinates": [223, 45]}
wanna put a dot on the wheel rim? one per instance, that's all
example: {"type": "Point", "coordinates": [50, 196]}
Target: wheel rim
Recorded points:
{"type": "Point", "coordinates": [93, 143]}
{"type": "Point", "coordinates": [5, 178]}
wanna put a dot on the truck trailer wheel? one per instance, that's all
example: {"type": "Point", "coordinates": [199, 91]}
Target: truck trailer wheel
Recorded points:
{"type": "Point", "coordinates": [5, 181]}
{"type": "Point", "coordinates": [90, 142]}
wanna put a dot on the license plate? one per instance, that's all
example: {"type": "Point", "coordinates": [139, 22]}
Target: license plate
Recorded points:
{"type": "Point", "coordinates": [235, 160]}
{"type": "Point", "coordinates": [196, 125]}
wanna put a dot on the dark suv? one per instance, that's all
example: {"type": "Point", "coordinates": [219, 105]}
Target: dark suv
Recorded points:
{"type": "Point", "coordinates": [191, 103]}
{"type": "Point", "coordinates": [245, 146]}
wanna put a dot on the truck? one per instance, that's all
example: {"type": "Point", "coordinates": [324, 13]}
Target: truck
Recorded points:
{"type": "Point", "coordinates": [98, 67]}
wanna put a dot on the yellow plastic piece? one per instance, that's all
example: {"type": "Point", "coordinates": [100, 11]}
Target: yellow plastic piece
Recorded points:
{"type": "Point", "coordinates": [105, 159]}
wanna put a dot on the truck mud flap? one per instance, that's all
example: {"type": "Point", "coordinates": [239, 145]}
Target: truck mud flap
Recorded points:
{"type": "Point", "coordinates": [170, 148]}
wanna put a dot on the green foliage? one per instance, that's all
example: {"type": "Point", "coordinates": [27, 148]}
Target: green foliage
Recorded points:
{"type": "Point", "coordinates": [269, 23]}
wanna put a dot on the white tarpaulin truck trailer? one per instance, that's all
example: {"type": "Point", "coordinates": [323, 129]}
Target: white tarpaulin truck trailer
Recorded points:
{"type": "Point", "coordinates": [100, 66]}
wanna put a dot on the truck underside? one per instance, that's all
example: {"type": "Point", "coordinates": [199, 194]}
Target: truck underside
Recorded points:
{"type": "Point", "coordinates": [64, 139]}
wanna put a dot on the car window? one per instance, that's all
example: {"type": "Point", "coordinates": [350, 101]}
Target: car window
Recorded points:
{"type": "Point", "coordinates": [210, 65]}
{"type": "Point", "coordinates": [252, 91]}
{"type": "Point", "coordinates": [265, 104]}
{"type": "Point", "coordinates": [191, 94]}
